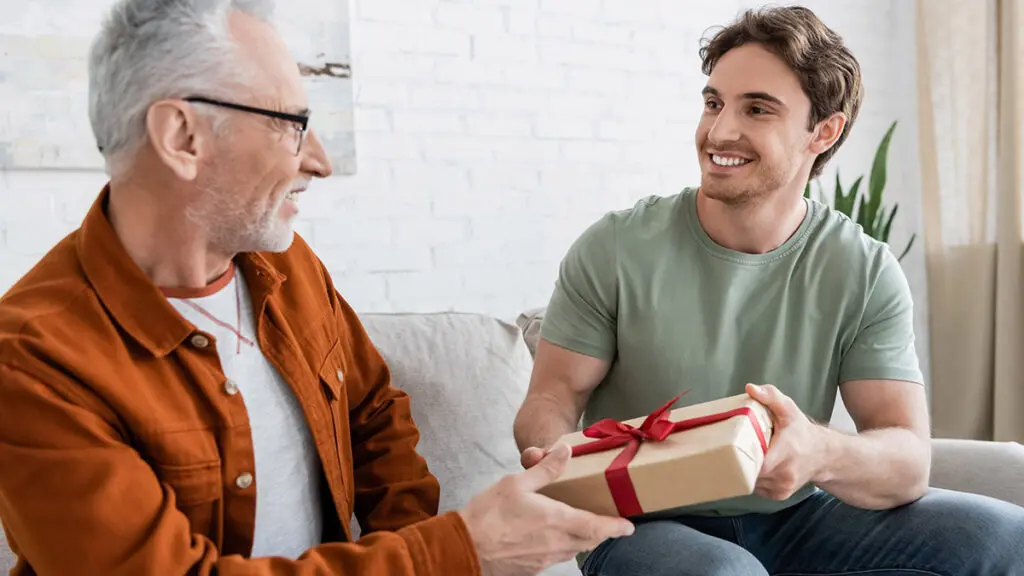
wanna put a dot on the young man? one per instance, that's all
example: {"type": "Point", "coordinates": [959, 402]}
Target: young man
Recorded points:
{"type": "Point", "coordinates": [744, 281]}
{"type": "Point", "coordinates": [182, 389]}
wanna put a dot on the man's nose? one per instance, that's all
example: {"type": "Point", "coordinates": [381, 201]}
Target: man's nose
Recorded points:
{"type": "Point", "coordinates": [314, 156]}
{"type": "Point", "coordinates": [725, 128]}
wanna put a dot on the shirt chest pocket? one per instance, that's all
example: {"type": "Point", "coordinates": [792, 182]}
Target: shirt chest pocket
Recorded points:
{"type": "Point", "coordinates": [197, 490]}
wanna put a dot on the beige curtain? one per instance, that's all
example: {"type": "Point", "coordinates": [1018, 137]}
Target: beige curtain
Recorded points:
{"type": "Point", "coordinates": [971, 107]}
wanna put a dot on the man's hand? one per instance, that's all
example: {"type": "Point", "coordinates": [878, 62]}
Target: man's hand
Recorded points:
{"type": "Point", "coordinates": [796, 453]}
{"type": "Point", "coordinates": [517, 531]}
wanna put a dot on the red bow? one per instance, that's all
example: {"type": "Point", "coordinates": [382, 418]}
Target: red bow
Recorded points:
{"type": "Point", "coordinates": [655, 428]}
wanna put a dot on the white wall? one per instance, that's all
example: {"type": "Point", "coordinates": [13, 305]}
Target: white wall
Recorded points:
{"type": "Point", "coordinates": [491, 132]}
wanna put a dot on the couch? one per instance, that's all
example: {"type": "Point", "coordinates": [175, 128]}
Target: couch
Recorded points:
{"type": "Point", "coordinates": [467, 375]}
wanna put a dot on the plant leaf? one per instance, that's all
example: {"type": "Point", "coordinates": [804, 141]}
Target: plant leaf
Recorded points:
{"type": "Point", "coordinates": [884, 233]}
{"type": "Point", "coordinates": [860, 213]}
{"type": "Point", "coordinates": [839, 196]}
{"type": "Point", "coordinates": [876, 226]}
{"type": "Point", "coordinates": [878, 176]}
{"type": "Point", "coordinates": [907, 249]}
{"type": "Point", "coordinates": [851, 197]}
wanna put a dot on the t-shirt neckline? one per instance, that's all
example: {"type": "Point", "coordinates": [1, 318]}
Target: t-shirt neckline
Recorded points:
{"type": "Point", "coordinates": [719, 251]}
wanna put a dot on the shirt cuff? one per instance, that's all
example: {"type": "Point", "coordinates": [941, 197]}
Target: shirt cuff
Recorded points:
{"type": "Point", "coordinates": [442, 546]}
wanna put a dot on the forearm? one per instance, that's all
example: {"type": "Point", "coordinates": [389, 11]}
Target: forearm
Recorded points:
{"type": "Point", "coordinates": [875, 469]}
{"type": "Point", "coordinates": [542, 420]}
{"type": "Point", "coordinates": [393, 486]}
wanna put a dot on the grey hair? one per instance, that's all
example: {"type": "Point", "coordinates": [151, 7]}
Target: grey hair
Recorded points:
{"type": "Point", "coordinates": [149, 50]}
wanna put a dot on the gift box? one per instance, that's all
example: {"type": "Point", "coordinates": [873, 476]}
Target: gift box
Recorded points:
{"type": "Point", "coordinates": [668, 459]}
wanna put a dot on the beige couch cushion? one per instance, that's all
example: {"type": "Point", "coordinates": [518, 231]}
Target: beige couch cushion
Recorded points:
{"type": "Point", "coordinates": [529, 322]}
{"type": "Point", "coordinates": [993, 469]}
{"type": "Point", "coordinates": [466, 375]}
{"type": "Point", "coordinates": [6, 556]}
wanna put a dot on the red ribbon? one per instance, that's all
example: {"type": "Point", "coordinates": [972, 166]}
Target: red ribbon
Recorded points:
{"type": "Point", "coordinates": [655, 428]}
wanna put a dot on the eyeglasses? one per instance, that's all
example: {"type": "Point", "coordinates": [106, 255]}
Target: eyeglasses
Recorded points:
{"type": "Point", "coordinates": [302, 120]}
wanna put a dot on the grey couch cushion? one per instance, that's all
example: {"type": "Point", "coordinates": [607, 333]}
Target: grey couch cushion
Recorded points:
{"type": "Point", "coordinates": [466, 376]}
{"type": "Point", "coordinates": [529, 322]}
{"type": "Point", "coordinates": [6, 556]}
{"type": "Point", "coordinates": [993, 469]}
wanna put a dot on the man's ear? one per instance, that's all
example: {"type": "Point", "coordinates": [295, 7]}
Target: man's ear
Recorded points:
{"type": "Point", "coordinates": [827, 132]}
{"type": "Point", "coordinates": [176, 136]}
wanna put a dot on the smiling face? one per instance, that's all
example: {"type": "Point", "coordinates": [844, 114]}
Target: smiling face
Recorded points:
{"type": "Point", "coordinates": [250, 184]}
{"type": "Point", "coordinates": [753, 139]}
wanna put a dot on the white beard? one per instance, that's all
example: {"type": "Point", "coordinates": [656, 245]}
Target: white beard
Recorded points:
{"type": "Point", "coordinates": [234, 228]}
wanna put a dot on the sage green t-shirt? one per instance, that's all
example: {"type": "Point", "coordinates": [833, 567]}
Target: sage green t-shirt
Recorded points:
{"type": "Point", "coordinates": [648, 289]}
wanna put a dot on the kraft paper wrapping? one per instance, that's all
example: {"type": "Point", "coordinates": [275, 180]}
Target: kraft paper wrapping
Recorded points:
{"type": "Point", "coordinates": [703, 464]}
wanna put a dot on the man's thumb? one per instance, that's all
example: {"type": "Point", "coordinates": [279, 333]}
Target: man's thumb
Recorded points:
{"type": "Point", "coordinates": [772, 398]}
{"type": "Point", "coordinates": [548, 469]}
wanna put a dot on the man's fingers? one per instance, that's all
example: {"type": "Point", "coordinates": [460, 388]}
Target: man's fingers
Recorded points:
{"type": "Point", "coordinates": [773, 490]}
{"type": "Point", "coordinates": [765, 394]}
{"type": "Point", "coordinates": [594, 535]}
{"type": "Point", "coordinates": [778, 404]}
{"type": "Point", "coordinates": [595, 527]}
{"type": "Point", "coordinates": [547, 470]}
{"type": "Point", "coordinates": [771, 460]}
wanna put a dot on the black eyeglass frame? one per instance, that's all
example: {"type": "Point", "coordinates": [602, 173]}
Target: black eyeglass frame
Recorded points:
{"type": "Point", "coordinates": [300, 119]}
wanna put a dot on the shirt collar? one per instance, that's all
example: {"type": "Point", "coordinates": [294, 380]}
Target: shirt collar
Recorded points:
{"type": "Point", "coordinates": [131, 297]}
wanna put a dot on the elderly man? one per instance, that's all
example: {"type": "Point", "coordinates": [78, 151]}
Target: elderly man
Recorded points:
{"type": "Point", "coordinates": [183, 390]}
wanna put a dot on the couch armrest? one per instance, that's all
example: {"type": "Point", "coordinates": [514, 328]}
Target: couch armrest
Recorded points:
{"type": "Point", "coordinates": [993, 469]}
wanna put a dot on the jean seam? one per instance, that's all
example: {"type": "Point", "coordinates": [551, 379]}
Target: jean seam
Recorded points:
{"type": "Point", "coordinates": [737, 528]}
{"type": "Point", "coordinates": [856, 572]}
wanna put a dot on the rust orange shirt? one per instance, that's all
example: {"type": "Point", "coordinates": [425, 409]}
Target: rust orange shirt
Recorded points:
{"type": "Point", "coordinates": [120, 448]}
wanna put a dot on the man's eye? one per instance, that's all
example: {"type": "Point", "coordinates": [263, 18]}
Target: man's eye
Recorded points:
{"type": "Point", "coordinates": [757, 110]}
{"type": "Point", "coordinates": [710, 104]}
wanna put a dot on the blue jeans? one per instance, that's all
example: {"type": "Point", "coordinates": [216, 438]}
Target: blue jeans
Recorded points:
{"type": "Point", "coordinates": [944, 533]}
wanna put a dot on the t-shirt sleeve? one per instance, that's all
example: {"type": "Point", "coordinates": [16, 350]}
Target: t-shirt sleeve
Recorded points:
{"type": "Point", "coordinates": [581, 313]}
{"type": "Point", "coordinates": [884, 348]}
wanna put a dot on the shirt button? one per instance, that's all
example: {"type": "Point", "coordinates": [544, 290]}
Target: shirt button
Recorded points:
{"type": "Point", "coordinates": [200, 341]}
{"type": "Point", "coordinates": [230, 388]}
{"type": "Point", "coordinates": [244, 480]}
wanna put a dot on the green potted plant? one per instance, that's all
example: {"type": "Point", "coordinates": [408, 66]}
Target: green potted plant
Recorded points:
{"type": "Point", "coordinates": [866, 208]}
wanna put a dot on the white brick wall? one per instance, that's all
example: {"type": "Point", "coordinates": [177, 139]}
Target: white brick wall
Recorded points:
{"type": "Point", "coordinates": [491, 132]}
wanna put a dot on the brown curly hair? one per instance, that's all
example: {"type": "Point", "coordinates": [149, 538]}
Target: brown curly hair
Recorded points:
{"type": "Point", "coordinates": [828, 72]}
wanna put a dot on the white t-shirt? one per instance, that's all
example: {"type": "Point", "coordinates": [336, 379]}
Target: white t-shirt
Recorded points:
{"type": "Point", "coordinates": [288, 513]}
